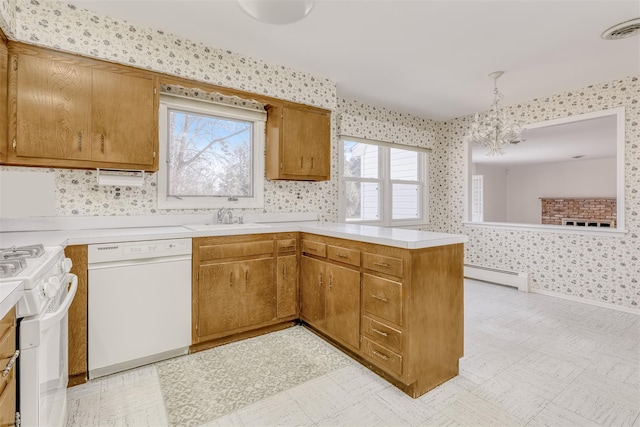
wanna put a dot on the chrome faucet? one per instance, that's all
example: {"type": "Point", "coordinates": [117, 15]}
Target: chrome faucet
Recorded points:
{"type": "Point", "coordinates": [224, 216]}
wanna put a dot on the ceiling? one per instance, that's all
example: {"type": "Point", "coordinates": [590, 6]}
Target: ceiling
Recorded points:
{"type": "Point", "coordinates": [424, 57]}
{"type": "Point", "coordinates": [591, 139]}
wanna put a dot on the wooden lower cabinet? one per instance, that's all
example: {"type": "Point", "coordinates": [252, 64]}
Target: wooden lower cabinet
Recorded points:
{"type": "Point", "coordinates": [241, 284]}
{"type": "Point", "coordinates": [8, 382]}
{"type": "Point", "coordinates": [78, 312]}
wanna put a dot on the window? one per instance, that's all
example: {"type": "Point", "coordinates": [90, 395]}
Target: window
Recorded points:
{"type": "Point", "coordinates": [211, 155]}
{"type": "Point", "coordinates": [382, 183]}
{"type": "Point", "coordinates": [476, 198]}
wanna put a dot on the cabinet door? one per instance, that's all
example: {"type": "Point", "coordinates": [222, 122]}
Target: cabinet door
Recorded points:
{"type": "Point", "coordinates": [258, 299]}
{"type": "Point", "coordinates": [123, 119]}
{"type": "Point", "coordinates": [287, 285]}
{"type": "Point", "coordinates": [312, 292]}
{"type": "Point", "coordinates": [343, 304]}
{"type": "Point", "coordinates": [306, 143]}
{"type": "Point", "coordinates": [219, 291]}
{"type": "Point", "coordinates": [53, 108]}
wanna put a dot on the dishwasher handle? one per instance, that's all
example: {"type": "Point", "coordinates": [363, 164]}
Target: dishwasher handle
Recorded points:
{"type": "Point", "coordinates": [135, 262]}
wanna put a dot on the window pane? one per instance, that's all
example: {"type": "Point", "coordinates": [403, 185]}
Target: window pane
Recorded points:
{"type": "Point", "coordinates": [360, 160]}
{"type": "Point", "coordinates": [406, 201]}
{"type": "Point", "coordinates": [209, 156]}
{"type": "Point", "coordinates": [404, 164]}
{"type": "Point", "coordinates": [362, 200]}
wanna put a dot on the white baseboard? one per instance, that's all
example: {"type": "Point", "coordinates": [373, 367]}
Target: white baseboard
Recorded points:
{"type": "Point", "coordinates": [503, 277]}
{"type": "Point", "coordinates": [587, 301]}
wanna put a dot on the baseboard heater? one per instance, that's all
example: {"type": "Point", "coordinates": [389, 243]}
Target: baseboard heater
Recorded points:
{"type": "Point", "coordinates": [494, 275]}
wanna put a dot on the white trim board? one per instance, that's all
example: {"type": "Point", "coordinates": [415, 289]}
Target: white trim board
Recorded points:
{"type": "Point", "coordinates": [587, 301]}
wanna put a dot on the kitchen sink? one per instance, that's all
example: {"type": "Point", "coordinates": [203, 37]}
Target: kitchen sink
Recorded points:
{"type": "Point", "coordinates": [219, 226]}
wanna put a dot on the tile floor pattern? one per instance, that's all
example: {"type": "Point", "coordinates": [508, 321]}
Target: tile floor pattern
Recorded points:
{"type": "Point", "coordinates": [529, 360]}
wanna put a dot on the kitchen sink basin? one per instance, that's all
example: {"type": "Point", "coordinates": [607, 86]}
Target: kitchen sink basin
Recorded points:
{"type": "Point", "coordinates": [219, 226]}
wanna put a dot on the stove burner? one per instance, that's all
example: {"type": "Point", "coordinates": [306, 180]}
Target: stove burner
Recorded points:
{"type": "Point", "coordinates": [11, 268]}
{"type": "Point", "coordinates": [32, 251]}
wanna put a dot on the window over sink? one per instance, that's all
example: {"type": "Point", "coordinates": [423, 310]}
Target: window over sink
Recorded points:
{"type": "Point", "coordinates": [211, 155]}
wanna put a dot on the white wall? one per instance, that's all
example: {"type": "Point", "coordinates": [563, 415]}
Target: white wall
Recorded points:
{"type": "Point", "coordinates": [526, 184]}
{"type": "Point", "coordinates": [494, 192]}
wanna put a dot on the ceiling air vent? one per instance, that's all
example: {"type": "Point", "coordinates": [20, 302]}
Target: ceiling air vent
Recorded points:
{"type": "Point", "coordinates": [623, 30]}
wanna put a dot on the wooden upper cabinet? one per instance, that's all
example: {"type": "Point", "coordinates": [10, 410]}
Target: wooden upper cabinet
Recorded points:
{"type": "Point", "coordinates": [4, 82]}
{"type": "Point", "coordinates": [52, 109]}
{"type": "Point", "coordinates": [70, 111]}
{"type": "Point", "coordinates": [123, 131]}
{"type": "Point", "coordinates": [298, 143]}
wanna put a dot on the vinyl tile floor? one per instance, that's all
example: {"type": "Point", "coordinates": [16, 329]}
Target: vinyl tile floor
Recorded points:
{"type": "Point", "coordinates": [530, 360]}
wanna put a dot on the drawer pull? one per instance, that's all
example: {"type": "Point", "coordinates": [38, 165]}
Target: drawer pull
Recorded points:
{"type": "Point", "coordinates": [246, 277]}
{"type": "Point", "coordinates": [288, 247]}
{"type": "Point", "coordinates": [342, 256]}
{"type": "Point", "coordinates": [320, 282]}
{"type": "Point", "coordinates": [10, 364]}
{"type": "Point", "coordinates": [378, 297]}
{"type": "Point", "coordinates": [379, 332]}
{"type": "Point", "coordinates": [380, 355]}
{"type": "Point", "coordinates": [381, 264]}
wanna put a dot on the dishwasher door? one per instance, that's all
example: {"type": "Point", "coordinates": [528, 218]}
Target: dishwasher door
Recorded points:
{"type": "Point", "coordinates": [139, 309]}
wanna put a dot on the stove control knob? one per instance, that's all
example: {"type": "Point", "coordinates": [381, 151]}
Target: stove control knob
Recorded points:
{"type": "Point", "coordinates": [50, 288]}
{"type": "Point", "coordinates": [66, 265]}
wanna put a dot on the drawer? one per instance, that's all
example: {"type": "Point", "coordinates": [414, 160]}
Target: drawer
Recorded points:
{"type": "Point", "coordinates": [382, 298]}
{"type": "Point", "coordinates": [348, 256]}
{"type": "Point", "coordinates": [382, 356]}
{"type": "Point", "coordinates": [235, 250]}
{"type": "Point", "coordinates": [382, 264]}
{"type": "Point", "coordinates": [288, 245]}
{"type": "Point", "coordinates": [314, 248]}
{"type": "Point", "coordinates": [8, 322]}
{"type": "Point", "coordinates": [382, 334]}
{"type": "Point", "coordinates": [8, 344]}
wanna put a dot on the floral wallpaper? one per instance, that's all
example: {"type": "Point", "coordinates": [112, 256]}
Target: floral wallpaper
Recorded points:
{"type": "Point", "coordinates": [601, 269]}
{"type": "Point", "coordinates": [598, 268]}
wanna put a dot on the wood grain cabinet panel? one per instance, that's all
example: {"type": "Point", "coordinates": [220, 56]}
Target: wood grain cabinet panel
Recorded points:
{"type": "Point", "coordinates": [298, 143]}
{"type": "Point", "coordinates": [382, 298]}
{"type": "Point", "coordinates": [4, 84]}
{"type": "Point", "coordinates": [218, 298]}
{"type": "Point", "coordinates": [287, 285]}
{"type": "Point", "coordinates": [8, 382]}
{"type": "Point", "coordinates": [314, 248]}
{"type": "Point", "coordinates": [78, 312]}
{"type": "Point", "coordinates": [312, 292]}
{"type": "Point", "coordinates": [258, 299]}
{"type": "Point", "coordinates": [68, 111]}
{"type": "Point", "coordinates": [382, 334]}
{"type": "Point", "coordinates": [343, 304]}
{"type": "Point", "coordinates": [8, 405]}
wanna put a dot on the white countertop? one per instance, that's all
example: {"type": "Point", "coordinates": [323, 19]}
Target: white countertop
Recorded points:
{"type": "Point", "coordinates": [402, 238]}
{"type": "Point", "coordinates": [10, 293]}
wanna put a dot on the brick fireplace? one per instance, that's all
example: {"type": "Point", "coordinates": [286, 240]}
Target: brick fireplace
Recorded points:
{"type": "Point", "coordinates": [595, 210]}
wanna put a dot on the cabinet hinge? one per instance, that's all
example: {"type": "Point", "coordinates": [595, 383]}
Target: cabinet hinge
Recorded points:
{"type": "Point", "coordinates": [15, 63]}
{"type": "Point", "coordinates": [15, 144]}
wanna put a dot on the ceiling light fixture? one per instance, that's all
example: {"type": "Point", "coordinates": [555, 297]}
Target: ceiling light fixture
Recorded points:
{"type": "Point", "coordinates": [495, 131]}
{"type": "Point", "coordinates": [277, 12]}
{"type": "Point", "coordinates": [623, 30]}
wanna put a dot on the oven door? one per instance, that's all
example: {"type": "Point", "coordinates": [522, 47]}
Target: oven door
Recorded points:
{"type": "Point", "coordinates": [43, 371]}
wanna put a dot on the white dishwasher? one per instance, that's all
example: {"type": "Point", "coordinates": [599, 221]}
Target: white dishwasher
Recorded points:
{"type": "Point", "coordinates": [139, 308]}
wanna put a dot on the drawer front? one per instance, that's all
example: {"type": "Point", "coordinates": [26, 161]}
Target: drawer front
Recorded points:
{"type": "Point", "coordinates": [8, 344]}
{"type": "Point", "coordinates": [382, 298]}
{"type": "Point", "coordinates": [235, 250]}
{"type": "Point", "coordinates": [348, 256]}
{"type": "Point", "coordinates": [382, 334]}
{"type": "Point", "coordinates": [314, 248]}
{"type": "Point", "coordinates": [7, 322]}
{"type": "Point", "coordinates": [383, 264]}
{"type": "Point", "coordinates": [288, 245]}
{"type": "Point", "coordinates": [382, 357]}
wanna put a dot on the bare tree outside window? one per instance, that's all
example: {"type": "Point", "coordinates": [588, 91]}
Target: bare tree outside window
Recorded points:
{"type": "Point", "coordinates": [209, 156]}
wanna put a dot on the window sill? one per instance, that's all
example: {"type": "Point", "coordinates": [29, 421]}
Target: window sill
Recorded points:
{"type": "Point", "coordinates": [539, 228]}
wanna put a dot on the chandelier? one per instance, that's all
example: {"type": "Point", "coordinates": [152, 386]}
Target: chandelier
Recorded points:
{"type": "Point", "coordinates": [495, 131]}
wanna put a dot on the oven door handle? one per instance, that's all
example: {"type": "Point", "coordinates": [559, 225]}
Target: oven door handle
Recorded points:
{"type": "Point", "coordinates": [49, 320]}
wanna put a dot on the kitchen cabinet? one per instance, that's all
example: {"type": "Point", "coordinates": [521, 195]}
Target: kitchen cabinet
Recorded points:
{"type": "Point", "coordinates": [78, 312]}
{"type": "Point", "coordinates": [330, 293]}
{"type": "Point", "coordinates": [69, 111]}
{"type": "Point", "coordinates": [405, 321]}
{"type": "Point", "coordinates": [235, 288]}
{"type": "Point", "coordinates": [298, 143]}
{"type": "Point", "coordinates": [4, 81]}
{"type": "Point", "coordinates": [8, 415]}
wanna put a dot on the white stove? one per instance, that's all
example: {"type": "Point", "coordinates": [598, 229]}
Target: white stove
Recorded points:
{"type": "Point", "coordinates": [49, 289]}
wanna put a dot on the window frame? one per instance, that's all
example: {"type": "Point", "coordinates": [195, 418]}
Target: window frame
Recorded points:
{"type": "Point", "coordinates": [202, 107]}
{"type": "Point", "coordinates": [385, 193]}
{"type": "Point", "coordinates": [477, 198]}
